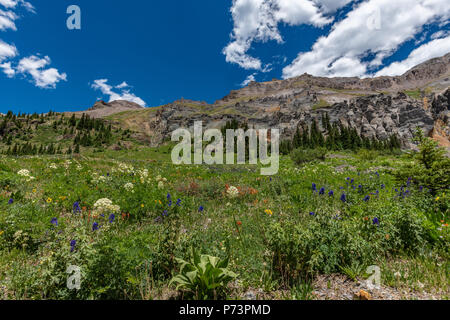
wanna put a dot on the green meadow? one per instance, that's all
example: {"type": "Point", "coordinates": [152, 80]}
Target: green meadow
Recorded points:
{"type": "Point", "coordinates": [139, 227]}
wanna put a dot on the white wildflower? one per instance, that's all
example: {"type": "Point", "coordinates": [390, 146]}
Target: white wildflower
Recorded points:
{"type": "Point", "coordinates": [125, 168]}
{"type": "Point", "coordinates": [105, 206]}
{"type": "Point", "coordinates": [232, 192]}
{"type": "Point", "coordinates": [96, 178]}
{"type": "Point", "coordinates": [129, 187]}
{"type": "Point", "coordinates": [24, 173]}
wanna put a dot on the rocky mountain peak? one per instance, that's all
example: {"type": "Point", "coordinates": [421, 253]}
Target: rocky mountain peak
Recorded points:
{"type": "Point", "coordinates": [115, 104]}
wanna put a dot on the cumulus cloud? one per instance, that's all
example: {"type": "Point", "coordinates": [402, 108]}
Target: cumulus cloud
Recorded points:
{"type": "Point", "coordinates": [42, 77]}
{"type": "Point", "coordinates": [257, 20]}
{"type": "Point", "coordinates": [11, 4]}
{"type": "Point", "coordinates": [372, 31]}
{"type": "Point", "coordinates": [7, 51]}
{"type": "Point", "coordinates": [122, 85]}
{"type": "Point", "coordinates": [330, 6]}
{"type": "Point", "coordinates": [7, 69]}
{"type": "Point", "coordinates": [432, 49]}
{"type": "Point", "coordinates": [7, 19]}
{"type": "Point", "coordinates": [440, 34]}
{"type": "Point", "coordinates": [32, 66]}
{"type": "Point", "coordinates": [249, 79]}
{"type": "Point", "coordinates": [106, 89]}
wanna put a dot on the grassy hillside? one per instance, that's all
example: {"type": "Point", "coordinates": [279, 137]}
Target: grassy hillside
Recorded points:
{"type": "Point", "coordinates": [285, 236]}
{"type": "Point", "coordinates": [54, 133]}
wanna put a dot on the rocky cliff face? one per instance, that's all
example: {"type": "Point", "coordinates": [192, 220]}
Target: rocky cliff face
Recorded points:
{"type": "Point", "coordinates": [377, 107]}
{"type": "Point", "coordinates": [377, 115]}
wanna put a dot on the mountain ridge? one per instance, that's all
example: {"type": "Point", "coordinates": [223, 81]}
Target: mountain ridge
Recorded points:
{"type": "Point", "coordinates": [377, 107]}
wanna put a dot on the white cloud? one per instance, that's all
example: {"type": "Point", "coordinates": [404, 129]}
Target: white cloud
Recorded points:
{"type": "Point", "coordinates": [257, 20]}
{"type": "Point", "coordinates": [8, 3]}
{"type": "Point", "coordinates": [7, 19]}
{"type": "Point", "coordinates": [33, 66]}
{"type": "Point", "coordinates": [7, 69]}
{"type": "Point", "coordinates": [249, 79]}
{"type": "Point", "coordinates": [122, 85]}
{"type": "Point", "coordinates": [329, 6]}
{"type": "Point", "coordinates": [7, 51]}
{"type": "Point", "coordinates": [42, 78]}
{"type": "Point", "coordinates": [106, 89]}
{"type": "Point", "coordinates": [432, 49]}
{"type": "Point", "coordinates": [440, 34]}
{"type": "Point", "coordinates": [11, 4]}
{"type": "Point", "coordinates": [359, 36]}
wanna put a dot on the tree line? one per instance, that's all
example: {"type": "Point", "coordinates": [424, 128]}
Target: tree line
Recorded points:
{"type": "Point", "coordinates": [335, 137]}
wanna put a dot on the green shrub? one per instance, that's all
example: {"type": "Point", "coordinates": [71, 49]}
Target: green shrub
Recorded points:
{"type": "Point", "coordinates": [302, 156]}
{"type": "Point", "coordinates": [431, 169]}
{"type": "Point", "coordinates": [367, 155]}
{"type": "Point", "coordinates": [203, 277]}
{"type": "Point", "coordinates": [319, 245]}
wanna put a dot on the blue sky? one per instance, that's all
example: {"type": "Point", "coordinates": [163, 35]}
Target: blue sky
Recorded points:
{"type": "Point", "coordinates": [155, 52]}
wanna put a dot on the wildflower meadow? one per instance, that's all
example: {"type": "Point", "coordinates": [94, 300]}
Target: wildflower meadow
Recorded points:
{"type": "Point", "coordinates": [132, 226]}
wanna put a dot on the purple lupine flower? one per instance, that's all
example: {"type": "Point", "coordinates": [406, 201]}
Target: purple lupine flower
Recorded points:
{"type": "Point", "coordinates": [168, 196]}
{"type": "Point", "coordinates": [54, 221]}
{"type": "Point", "coordinates": [367, 198]}
{"type": "Point", "coordinates": [408, 183]}
{"type": "Point", "coordinates": [178, 202]}
{"type": "Point", "coordinates": [76, 207]}
{"type": "Point", "coordinates": [95, 226]}
{"type": "Point", "coordinates": [11, 201]}
{"type": "Point", "coordinates": [383, 186]}
{"type": "Point", "coordinates": [73, 243]}
{"type": "Point", "coordinates": [331, 193]}
{"type": "Point", "coordinates": [344, 197]}
{"type": "Point", "coordinates": [170, 203]}
{"type": "Point", "coordinates": [201, 209]}
{"type": "Point", "coordinates": [112, 217]}
{"type": "Point", "coordinates": [421, 188]}
{"type": "Point", "coordinates": [353, 180]}
{"type": "Point", "coordinates": [376, 221]}
{"type": "Point", "coordinates": [314, 187]}
{"type": "Point", "coordinates": [165, 213]}
{"type": "Point", "coordinates": [322, 191]}
{"type": "Point", "coordinates": [312, 214]}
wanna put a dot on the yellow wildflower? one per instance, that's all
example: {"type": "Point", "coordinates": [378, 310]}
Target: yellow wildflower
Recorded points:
{"type": "Point", "coordinates": [49, 200]}
{"type": "Point", "coordinates": [269, 212]}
